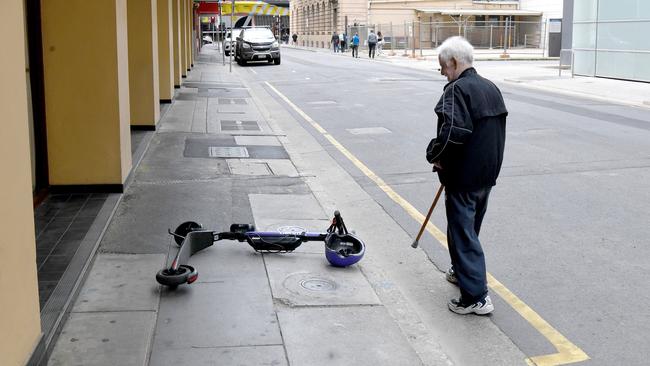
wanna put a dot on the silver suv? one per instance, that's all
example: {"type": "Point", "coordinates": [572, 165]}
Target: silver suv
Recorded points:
{"type": "Point", "coordinates": [257, 44]}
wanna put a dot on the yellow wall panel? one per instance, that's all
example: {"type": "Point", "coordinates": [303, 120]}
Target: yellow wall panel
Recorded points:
{"type": "Point", "coordinates": [86, 91]}
{"type": "Point", "coordinates": [165, 50]}
{"type": "Point", "coordinates": [183, 29]}
{"type": "Point", "coordinates": [20, 318]}
{"type": "Point", "coordinates": [176, 35]}
{"type": "Point", "coordinates": [143, 62]}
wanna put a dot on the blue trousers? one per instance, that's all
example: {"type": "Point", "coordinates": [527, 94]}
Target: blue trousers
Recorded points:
{"type": "Point", "coordinates": [465, 212]}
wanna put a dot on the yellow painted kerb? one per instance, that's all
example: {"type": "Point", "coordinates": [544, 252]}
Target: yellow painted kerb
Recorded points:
{"type": "Point", "coordinates": [567, 351]}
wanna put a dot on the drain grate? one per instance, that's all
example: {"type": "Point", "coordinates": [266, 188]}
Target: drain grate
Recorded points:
{"type": "Point", "coordinates": [230, 101]}
{"type": "Point", "coordinates": [228, 152]}
{"type": "Point", "coordinates": [318, 284]}
{"type": "Point", "coordinates": [234, 125]}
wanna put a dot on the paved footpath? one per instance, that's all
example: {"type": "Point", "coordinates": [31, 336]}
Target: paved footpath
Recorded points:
{"type": "Point", "coordinates": [259, 309]}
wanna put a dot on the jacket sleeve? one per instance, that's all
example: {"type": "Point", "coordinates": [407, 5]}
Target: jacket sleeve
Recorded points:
{"type": "Point", "coordinates": [454, 121]}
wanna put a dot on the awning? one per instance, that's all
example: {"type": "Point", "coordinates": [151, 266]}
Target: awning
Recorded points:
{"type": "Point", "coordinates": [468, 12]}
{"type": "Point", "coordinates": [253, 8]}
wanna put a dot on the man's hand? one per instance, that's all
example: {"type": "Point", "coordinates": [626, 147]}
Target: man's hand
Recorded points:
{"type": "Point", "coordinates": [437, 166]}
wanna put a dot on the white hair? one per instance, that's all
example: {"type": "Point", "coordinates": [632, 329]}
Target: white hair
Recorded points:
{"type": "Point", "coordinates": [457, 48]}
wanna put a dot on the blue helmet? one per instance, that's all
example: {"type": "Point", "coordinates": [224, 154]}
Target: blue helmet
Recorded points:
{"type": "Point", "coordinates": [343, 250]}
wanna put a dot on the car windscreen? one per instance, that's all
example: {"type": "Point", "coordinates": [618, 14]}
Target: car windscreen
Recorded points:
{"type": "Point", "coordinates": [258, 35]}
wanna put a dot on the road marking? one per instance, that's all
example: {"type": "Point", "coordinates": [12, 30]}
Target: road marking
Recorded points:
{"type": "Point", "coordinates": [253, 71]}
{"type": "Point", "coordinates": [567, 351]}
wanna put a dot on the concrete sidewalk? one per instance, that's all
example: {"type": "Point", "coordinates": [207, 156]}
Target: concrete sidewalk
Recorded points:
{"type": "Point", "coordinates": [526, 69]}
{"type": "Point", "coordinates": [274, 309]}
{"type": "Point", "coordinates": [259, 309]}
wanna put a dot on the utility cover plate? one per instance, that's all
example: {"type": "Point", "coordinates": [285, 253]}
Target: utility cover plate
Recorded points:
{"type": "Point", "coordinates": [228, 152]}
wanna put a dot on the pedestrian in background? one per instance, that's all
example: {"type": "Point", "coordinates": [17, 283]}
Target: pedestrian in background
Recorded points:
{"type": "Point", "coordinates": [467, 154]}
{"type": "Point", "coordinates": [372, 43]}
{"type": "Point", "coordinates": [295, 39]}
{"type": "Point", "coordinates": [335, 42]}
{"type": "Point", "coordinates": [380, 43]}
{"type": "Point", "coordinates": [342, 41]}
{"type": "Point", "coordinates": [355, 45]}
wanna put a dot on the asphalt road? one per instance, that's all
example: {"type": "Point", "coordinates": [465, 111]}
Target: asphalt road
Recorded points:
{"type": "Point", "coordinates": [567, 225]}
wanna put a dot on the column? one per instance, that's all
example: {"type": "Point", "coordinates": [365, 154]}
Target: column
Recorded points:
{"type": "Point", "coordinates": [176, 41]}
{"type": "Point", "coordinates": [20, 317]}
{"type": "Point", "coordinates": [188, 34]}
{"type": "Point", "coordinates": [165, 51]}
{"type": "Point", "coordinates": [190, 20]}
{"type": "Point", "coordinates": [143, 63]}
{"type": "Point", "coordinates": [87, 92]}
{"type": "Point", "coordinates": [183, 35]}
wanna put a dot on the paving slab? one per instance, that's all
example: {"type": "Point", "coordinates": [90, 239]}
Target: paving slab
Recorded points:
{"type": "Point", "coordinates": [179, 117]}
{"type": "Point", "coordinates": [104, 338]}
{"type": "Point", "coordinates": [166, 159]}
{"type": "Point", "coordinates": [257, 140]}
{"type": "Point", "coordinates": [121, 282]}
{"type": "Point", "coordinates": [281, 167]}
{"type": "Point", "coordinates": [344, 336]}
{"type": "Point", "coordinates": [230, 261]}
{"type": "Point", "coordinates": [286, 206]}
{"type": "Point", "coordinates": [302, 279]}
{"type": "Point", "coordinates": [147, 211]}
{"type": "Point", "coordinates": [222, 356]}
{"type": "Point", "coordinates": [200, 115]}
{"type": "Point", "coordinates": [231, 313]}
{"type": "Point", "coordinates": [244, 167]}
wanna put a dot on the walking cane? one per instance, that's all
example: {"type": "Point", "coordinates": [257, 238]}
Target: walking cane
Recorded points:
{"type": "Point", "coordinates": [426, 220]}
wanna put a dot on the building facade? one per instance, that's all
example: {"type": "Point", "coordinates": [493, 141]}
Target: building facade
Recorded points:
{"type": "Point", "coordinates": [426, 23]}
{"type": "Point", "coordinates": [314, 21]}
{"type": "Point", "coordinates": [78, 77]}
{"type": "Point", "coordinates": [609, 38]}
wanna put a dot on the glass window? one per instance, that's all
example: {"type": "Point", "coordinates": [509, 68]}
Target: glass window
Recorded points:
{"type": "Point", "coordinates": [623, 9]}
{"type": "Point", "coordinates": [584, 10]}
{"type": "Point", "coordinates": [624, 36]}
{"type": "Point", "coordinates": [623, 65]}
{"type": "Point", "coordinates": [583, 63]}
{"type": "Point", "coordinates": [584, 35]}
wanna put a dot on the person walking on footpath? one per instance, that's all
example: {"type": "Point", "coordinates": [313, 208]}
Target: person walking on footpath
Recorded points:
{"type": "Point", "coordinates": [380, 43]}
{"type": "Point", "coordinates": [335, 42]}
{"type": "Point", "coordinates": [342, 41]}
{"type": "Point", "coordinates": [295, 39]}
{"type": "Point", "coordinates": [372, 43]}
{"type": "Point", "coordinates": [467, 154]}
{"type": "Point", "coordinates": [355, 45]}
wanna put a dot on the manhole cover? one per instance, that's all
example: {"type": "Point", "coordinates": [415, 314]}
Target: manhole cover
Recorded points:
{"type": "Point", "coordinates": [318, 284]}
{"type": "Point", "coordinates": [228, 152]}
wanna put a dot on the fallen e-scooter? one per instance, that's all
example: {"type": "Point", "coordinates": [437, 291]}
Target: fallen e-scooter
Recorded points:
{"type": "Point", "coordinates": [342, 249]}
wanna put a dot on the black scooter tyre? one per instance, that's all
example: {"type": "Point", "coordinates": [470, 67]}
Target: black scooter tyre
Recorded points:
{"type": "Point", "coordinates": [166, 278]}
{"type": "Point", "coordinates": [183, 229]}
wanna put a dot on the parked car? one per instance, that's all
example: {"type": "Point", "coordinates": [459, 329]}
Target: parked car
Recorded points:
{"type": "Point", "coordinates": [228, 42]}
{"type": "Point", "coordinates": [257, 44]}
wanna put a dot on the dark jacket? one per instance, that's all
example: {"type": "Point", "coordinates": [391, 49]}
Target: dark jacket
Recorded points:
{"type": "Point", "coordinates": [471, 133]}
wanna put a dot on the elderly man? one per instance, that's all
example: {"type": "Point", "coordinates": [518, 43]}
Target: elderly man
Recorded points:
{"type": "Point", "coordinates": [467, 154]}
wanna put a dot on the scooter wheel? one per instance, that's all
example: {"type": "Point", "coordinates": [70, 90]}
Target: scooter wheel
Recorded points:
{"type": "Point", "coordinates": [183, 229]}
{"type": "Point", "coordinates": [184, 274]}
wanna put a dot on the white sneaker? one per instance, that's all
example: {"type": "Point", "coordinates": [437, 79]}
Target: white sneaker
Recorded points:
{"type": "Point", "coordinates": [479, 308]}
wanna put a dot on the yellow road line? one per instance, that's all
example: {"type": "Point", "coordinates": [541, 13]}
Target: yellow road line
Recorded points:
{"type": "Point", "coordinates": [567, 351]}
